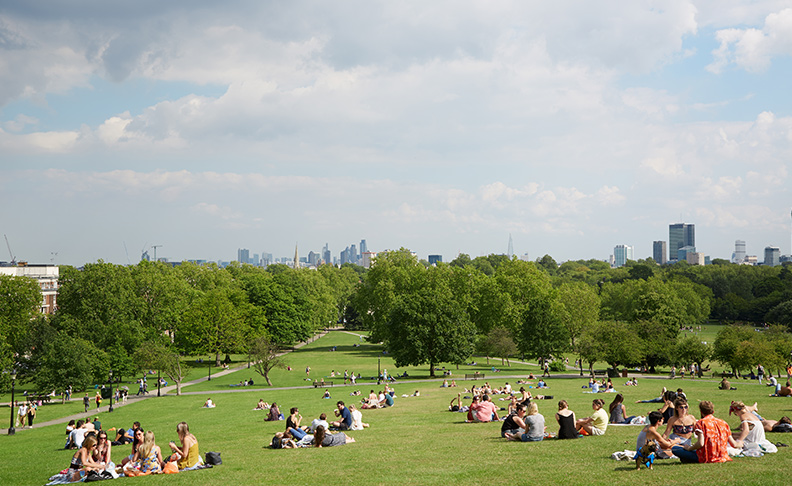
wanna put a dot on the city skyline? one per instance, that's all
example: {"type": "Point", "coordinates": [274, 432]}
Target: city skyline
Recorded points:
{"type": "Point", "coordinates": [442, 127]}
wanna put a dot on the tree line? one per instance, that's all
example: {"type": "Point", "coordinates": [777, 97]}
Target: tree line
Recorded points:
{"type": "Point", "coordinates": [146, 316]}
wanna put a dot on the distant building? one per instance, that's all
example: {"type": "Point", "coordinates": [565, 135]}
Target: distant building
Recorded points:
{"type": "Point", "coordinates": [243, 255]}
{"type": "Point", "coordinates": [660, 252]}
{"type": "Point", "coordinates": [680, 235]}
{"type": "Point", "coordinates": [694, 258]}
{"type": "Point", "coordinates": [751, 260]}
{"type": "Point", "coordinates": [772, 256]}
{"type": "Point", "coordinates": [622, 253]}
{"type": "Point", "coordinates": [313, 258]}
{"type": "Point", "coordinates": [363, 247]}
{"type": "Point", "coordinates": [326, 256]}
{"type": "Point", "coordinates": [435, 259]}
{"type": "Point", "coordinates": [739, 251]}
{"type": "Point", "coordinates": [682, 253]}
{"type": "Point", "coordinates": [47, 278]}
{"type": "Point", "coordinates": [367, 257]}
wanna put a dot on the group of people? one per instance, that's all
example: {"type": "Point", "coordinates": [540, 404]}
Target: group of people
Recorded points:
{"type": "Point", "coordinates": [317, 433]}
{"type": "Point", "coordinates": [94, 450]}
{"type": "Point", "coordinates": [26, 413]}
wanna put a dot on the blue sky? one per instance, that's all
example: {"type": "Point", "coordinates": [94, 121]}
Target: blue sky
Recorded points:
{"type": "Point", "coordinates": [442, 127]}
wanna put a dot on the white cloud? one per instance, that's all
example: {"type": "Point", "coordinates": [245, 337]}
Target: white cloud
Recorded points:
{"type": "Point", "coordinates": [753, 49]}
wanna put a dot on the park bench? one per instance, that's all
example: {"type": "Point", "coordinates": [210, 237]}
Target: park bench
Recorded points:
{"type": "Point", "coordinates": [319, 384]}
{"type": "Point", "coordinates": [474, 376]}
{"type": "Point", "coordinates": [600, 372]}
{"type": "Point", "coordinates": [724, 374]}
{"type": "Point", "coordinates": [42, 398]}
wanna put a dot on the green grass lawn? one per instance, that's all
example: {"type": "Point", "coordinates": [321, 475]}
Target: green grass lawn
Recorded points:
{"type": "Point", "coordinates": [416, 442]}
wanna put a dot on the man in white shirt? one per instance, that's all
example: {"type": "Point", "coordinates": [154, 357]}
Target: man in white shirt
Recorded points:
{"type": "Point", "coordinates": [322, 420]}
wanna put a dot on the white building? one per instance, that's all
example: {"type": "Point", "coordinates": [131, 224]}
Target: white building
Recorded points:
{"type": "Point", "coordinates": [47, 277]}
{"type": "Point", "coordinates": [622, 253]}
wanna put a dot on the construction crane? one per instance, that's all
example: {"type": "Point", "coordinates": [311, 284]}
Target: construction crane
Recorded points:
{"type": "Point", "coordinates": [155, 251]}
{"type": "Point", "coordinates": [13, 258]}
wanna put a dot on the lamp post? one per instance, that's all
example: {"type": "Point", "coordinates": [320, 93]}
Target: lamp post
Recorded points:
{"type": "Point", "coordinates": [111, 392]}
{"type": "Point", "coordinates": [379, 373]}
{"type": "Point", "coordinates": [158, 382]}
{"type": "Point", "coordinates": [210, 371]}
{"type": "Point", "coordinates": [11, 429]}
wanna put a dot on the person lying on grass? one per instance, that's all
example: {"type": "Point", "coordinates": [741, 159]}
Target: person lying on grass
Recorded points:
{"type": "Point", "coordinates": [323, 439]}
{"type": "Point", "coordinates": [597, 423]}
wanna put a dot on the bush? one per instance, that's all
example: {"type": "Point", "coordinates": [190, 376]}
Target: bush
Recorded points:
{"type": "Point", "coordinates": [558, 366]}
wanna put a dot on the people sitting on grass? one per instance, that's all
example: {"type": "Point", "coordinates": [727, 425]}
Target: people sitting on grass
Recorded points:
{"type": "Point", "coordinates": [650, 433]}
{"type": "Point", "coordinates": [293, 421]}
{"type": "Point", "coordinates": [680, 426]}
{"type": "Point", "coordinates": [136, 443]}
{"type": "Point", "coordinates": [262, 405]}
{"type": "Point", "coordinates": [326, 395]}
{"type": "Point", "coordinates": [149, 456]}
{"type": "Point", "coordinates": [525, 396]}
{"type": "Point", "coordinates": [209, 403]}
{"type": "Point", "coordinates": [566, 421]}
{"type": "Point", "coordinates": [725, 385]}
{"type": "Point", "coordinates": [386, 400]}
{"type": "Point", "coordinates": [751, 432]}
{"type": "Point", "coordinates": [371, 402]}
{"type": "Point", "coordinates": [484, 410]}
{"type": "Point", "coordinates": [618, 412]}
{"type": "Point", "coordinates": [126, 436]}
{"type": "Point", "coordinates": [274, 413]}
{"type": "Point", "coordinates": [713, 438]}
{"type": "Point", "coordinates": [77, 435]}
{"type": "Point", "coordinates": [103, 451]}
{"type": "Point", "coordinates": [534, 426]}
{"type": "Point", "coordinates": [82, 461]}
{"type": "Point", "coordinates": [514, 423]}
{"type": "Point", "coordinates": [324, 439]}
{"type": "Point", "coordinates": [346, 417]}
{"type": "Point", "coordinates": [541, 384]}
{"type": "Point", "coordinates": [597, 423]}
{"type": "Point", "coordinates": [357, 418]}
{"type": "Point", "coordinates": [321, 421]}
{"type": "Point", "coordinates": [186, 455]}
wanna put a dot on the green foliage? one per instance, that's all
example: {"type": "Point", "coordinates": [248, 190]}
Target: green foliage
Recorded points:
{"type": "Point", "coordinates": [20, 298]}
{"type": "Point", "coordinates": [265, 356]}
{"type": "Point", "coordinates": [692, 350]}
{"type": "Point", "coordinates": [162, 357]}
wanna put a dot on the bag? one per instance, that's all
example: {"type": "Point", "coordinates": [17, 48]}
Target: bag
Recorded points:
{"type": "Point", "coordinates": [170, 468]}
{"type": "Point", "coordinates": [213, 458]}
{"type": "Point", "coordinates": [97, 476]}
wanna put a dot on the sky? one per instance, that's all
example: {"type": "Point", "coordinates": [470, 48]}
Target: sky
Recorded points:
{"type": "Point", "coordinates": [442, 127]}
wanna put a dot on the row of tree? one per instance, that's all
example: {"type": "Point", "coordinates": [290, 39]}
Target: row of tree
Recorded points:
{"type": "Point", "coordinates": [128, 318]}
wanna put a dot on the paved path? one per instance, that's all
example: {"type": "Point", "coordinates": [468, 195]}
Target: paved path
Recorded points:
{"type": "Point", "coordinates": [92, 412]}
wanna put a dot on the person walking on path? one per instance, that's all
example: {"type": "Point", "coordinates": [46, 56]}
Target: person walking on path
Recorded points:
{"type": "Point", "coordinates": [86, 402]}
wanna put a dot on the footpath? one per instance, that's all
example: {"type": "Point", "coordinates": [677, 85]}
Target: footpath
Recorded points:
{"type": "Point", "coordinates": [92, 412]}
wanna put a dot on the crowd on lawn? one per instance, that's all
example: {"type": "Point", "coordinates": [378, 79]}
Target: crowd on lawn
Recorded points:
{"type": "Point", "coordinates": [708, 439]}
{"type": "Point", "coordinates": [93, 458]}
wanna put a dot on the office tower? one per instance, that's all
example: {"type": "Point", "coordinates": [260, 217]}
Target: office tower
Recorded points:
{"type": "Point", "coordinates": [772, 256]}
{"type": "Point", "coordinates": [363, 247]}
{"type": "Point", "coordinates": [255, 260]}
{"type": "Point", "coordinates": [683, 252]}
{"type": "Point", "coordinates": [243, 255]}
{"type": "Point", "coordinates": [660, 252]}
{"type": "Point", "coordinates": [622, 253]}
{"type": "Point", "coordinates": [681, 235]}
{"type": "Point", "coordinates": [326, 256]}
{"type": "Point", "coordinates": [695, 258]}
{"type": "Point", "coordinates": [353, 256]}
{"type": "Point", "coordinates": [435, 259]}
{"type": "Point", "coordinates": [739, 251]}
{"type": "Point", "coordinates": [313, 258]}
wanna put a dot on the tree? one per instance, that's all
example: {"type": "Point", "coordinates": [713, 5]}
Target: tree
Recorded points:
{"type": "Point", "coordinates": [161, 356]}
{"type": "Point", "coordinates": [692, 350]}
{"type": "Point", "coordinates": [729, 348]}
{"type": "Point", "coordinates": [499, 342]}
{"type": "Point", "coordinates": [20, 298]}
{"type": "Point", "coordinates": [427, 325]}
{"type": "Point", "coordinates": [70, 361]}
{"type": "Point", "coordinates": [580, 308]}
{"type": "Point", "coordinates": [211, 325]}
{"type": "Point", "coordinates": [265, 356]}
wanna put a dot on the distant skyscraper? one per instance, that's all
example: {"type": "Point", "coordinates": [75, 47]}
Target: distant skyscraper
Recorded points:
{"type": "Point", "coordinates": [363, 247]}
{"type": "Point", "coordinates": [739, 251]}
{"type": "Point", "coordinates": [243, 255]}
{"type": "Point", "coordinates": [772, 256]}
{"type": "Point", "coordinates": [680, 235]}
{"type": "Point", "coordinates": [622, 253]}
{"type": "Point", "coordinates": [510, 251]}
{"type": "Point", "coordinates": [353, 256]}
{"type": "Point", "coordinates": [435, 259]}
{"type": "Point", "coordinates": [660, 252]}
{"type": "Point", "coordinates": [326, 256]}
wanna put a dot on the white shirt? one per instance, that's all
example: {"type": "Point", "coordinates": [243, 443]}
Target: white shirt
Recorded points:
{"type": "Point", "coordinates": [316, 423]}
